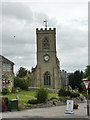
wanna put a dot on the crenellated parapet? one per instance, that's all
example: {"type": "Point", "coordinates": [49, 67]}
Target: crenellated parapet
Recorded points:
{"type": "Point", "coordinates": [45, 30]}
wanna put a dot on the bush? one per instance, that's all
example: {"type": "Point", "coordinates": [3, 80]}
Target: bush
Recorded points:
{"type": "Point", "coordinates": [42, 95]}
{"type": "Point", "coordinates": [9, 88]}
{"type": "Point", "coordinates": [32, 101]}
{"type": "Point", "coordinates": [21, 82]}
{"type": "Point", "coordinates": [74, 94]}
{"type": "Point", "coordinates": [63, 92]}
{"type": "Point", "coordinates": [21, 107]}
{"type": "Point", "coordinates": [16, 89]}
{"type": "Point", "coordinates": [64, 99]}
{"type": "Point", "coordinates": [5, 91]}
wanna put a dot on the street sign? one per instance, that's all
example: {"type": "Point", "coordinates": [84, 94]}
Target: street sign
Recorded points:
{"type": "Point", "coordinates": [86, 83]}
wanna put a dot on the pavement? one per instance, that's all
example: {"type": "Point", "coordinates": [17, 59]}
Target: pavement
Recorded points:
{"type": "Point", "coordinates": [51, 113]}
{"type": "Point", "coordinates": [45, 119]}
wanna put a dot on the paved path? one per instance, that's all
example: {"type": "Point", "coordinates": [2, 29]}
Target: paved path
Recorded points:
{"type": "Point", "coordinates": [51, 112]}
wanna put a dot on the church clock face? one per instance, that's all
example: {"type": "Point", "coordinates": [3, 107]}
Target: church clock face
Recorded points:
{"type": "Point", "coordinates": [46, 58]}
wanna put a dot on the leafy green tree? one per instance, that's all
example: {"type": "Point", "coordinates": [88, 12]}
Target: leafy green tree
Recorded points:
{"type": "Point", "coordinates": [87, 71]}
{"type": "Point", "coordinates": [71, 81]}
{"type": "Point", "coordinates": [21, 82]}
{"type": "Point", "coordinates": [75, 80]}
{"type": "Point", "coordinates": [22, 79]}
{"type": "Point", "coordinates": [22, 72]}
{"type": "Point", "coordinates": [27, 77]}
{"type": "Point", "coordinates": [78, 80]}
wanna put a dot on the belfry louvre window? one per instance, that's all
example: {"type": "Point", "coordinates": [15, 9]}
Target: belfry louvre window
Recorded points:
{"type": "Point", "coordinates": [45, 43]}
{"type": "Point", "coordinates": [47, 80]}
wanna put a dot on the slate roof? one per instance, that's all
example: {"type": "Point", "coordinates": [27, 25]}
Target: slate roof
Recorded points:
{"type": "Point", "coordinates": [5, 60]}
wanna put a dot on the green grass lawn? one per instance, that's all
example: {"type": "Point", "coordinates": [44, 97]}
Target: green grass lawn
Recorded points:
{"type": "Point", "coordinates": [27, 95]}
{"type": "Point", "coordinates": [24, 96]}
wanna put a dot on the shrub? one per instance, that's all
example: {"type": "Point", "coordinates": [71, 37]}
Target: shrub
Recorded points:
{"type": "Point", "coordinates": [42, 95]}
{"type": "Point", "coordinates": [63, 92]}
{"type": "Point", "coordinates": [64, 99]}
{"type": "Point", "coordinates": [16, 89]}
{"type": "Point", "coordinates": [9, 89]}
{"type": "Point", "coordinates": [21, 82]}
{"type": "Point", "coordinates": [74, 94]}
{"type": "Point", "coordinates": [67, 93]}
{"type": "Point", "coordinates": [21, 107]}
{"type": "Point", "coordinates": [32, 101]}
{"type": "Point", "coordinates": [5, 91]}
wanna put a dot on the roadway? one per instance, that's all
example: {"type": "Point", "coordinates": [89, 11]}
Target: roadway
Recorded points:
{"type": "Point", "coordinates": [57, 112]}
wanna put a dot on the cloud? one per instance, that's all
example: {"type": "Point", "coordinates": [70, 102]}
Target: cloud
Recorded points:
{"type": "Point", "coordinates": [16, 11]}
{"type": "Point", "coordinates": [18, 39]}
{"type": "Point", "coordinates": [72, 45]}
{"type": "Point", "coordinates": [19, 36]}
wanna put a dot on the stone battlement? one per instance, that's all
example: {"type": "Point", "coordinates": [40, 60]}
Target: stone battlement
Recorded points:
{"type": "Point", "coordinates": [45, 30]}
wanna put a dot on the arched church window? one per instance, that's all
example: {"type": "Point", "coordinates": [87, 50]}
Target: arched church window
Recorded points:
{"type": "Point", "coordinates": [47, 79]}
{"type": "Point", "coordinates": [45, 43]}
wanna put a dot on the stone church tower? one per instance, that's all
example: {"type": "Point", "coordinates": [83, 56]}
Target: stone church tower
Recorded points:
{"type": "Point", "coordinates": [47, 71]}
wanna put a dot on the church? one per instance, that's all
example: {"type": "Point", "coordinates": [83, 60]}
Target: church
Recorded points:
{"type": "Point", "coordinates": [47, 71]}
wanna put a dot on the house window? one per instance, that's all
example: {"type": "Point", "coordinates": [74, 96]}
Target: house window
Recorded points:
{"type": "Point", "coordinates": [47, 80]}
{"type": "Point", "coordinates": [45, 43]}
{"type": "Point", "coordinates": [6, 67]}
{"type": "Point", "coordinates": [4, 80]}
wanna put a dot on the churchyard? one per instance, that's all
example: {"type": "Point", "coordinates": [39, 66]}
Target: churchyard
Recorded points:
{"type": "Point", "coordinates": [45, 98]}
{"type": "Point", "coordinates": [25, 96]}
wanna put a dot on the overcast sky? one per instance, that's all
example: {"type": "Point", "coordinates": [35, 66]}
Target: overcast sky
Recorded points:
{"type": "Point", "coordinates": [20, 18]}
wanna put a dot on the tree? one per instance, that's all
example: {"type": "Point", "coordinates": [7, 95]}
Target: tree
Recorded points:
{"type": "Point", "coordinates": [71, 81]}
{"type": "Point", "coordinates": [22, 72]}
{"type": "Point", "coordinates": [75, 80]}
{"type": "Point", "coordinates": [21, 83]}
{"type": "Point", "coordinates": [87, 71]}
{"type": "Point", "coordinates": [22, 79]}
{"type": "Point", "coordinates": [78, 80]}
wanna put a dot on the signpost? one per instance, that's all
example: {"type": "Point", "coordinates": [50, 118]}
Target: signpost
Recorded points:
{"type": "Point", "coordinates": [87, 84]}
